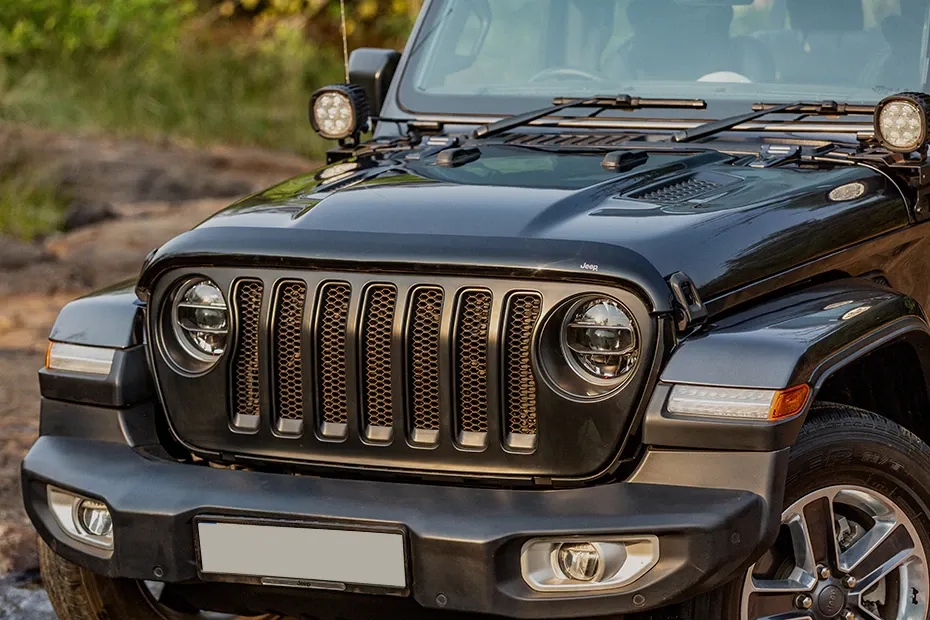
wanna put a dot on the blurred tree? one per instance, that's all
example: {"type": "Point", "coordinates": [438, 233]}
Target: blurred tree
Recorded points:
{"type": "Point", "coordinates": [70, 28]}
{"type": "Point", "coordinates": [368, 22]}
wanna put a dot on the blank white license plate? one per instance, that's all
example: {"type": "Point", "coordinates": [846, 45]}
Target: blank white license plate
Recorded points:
{"type": "Point", "coordinates": [302, 553]}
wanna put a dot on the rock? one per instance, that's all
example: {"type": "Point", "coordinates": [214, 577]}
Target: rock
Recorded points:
{"type": "Point", "coordinates": [24, 601]}
{"type": "Point", "coordinates": [83, 213]}
{"type": "Point", "coordinates": [16, 254]}
{"type": "Point", "coordinates": [17, 549]}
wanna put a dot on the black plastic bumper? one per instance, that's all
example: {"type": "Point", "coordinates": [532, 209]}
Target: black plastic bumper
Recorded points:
{"type": "Point", "coordinates": [464, 543]}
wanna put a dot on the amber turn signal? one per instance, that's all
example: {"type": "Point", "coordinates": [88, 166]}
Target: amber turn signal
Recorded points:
{"type": "Point", "coordinates": [790, 402]}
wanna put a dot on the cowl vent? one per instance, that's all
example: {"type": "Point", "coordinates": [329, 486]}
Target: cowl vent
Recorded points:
{"type": "Point", "coordinates": [567, 140]}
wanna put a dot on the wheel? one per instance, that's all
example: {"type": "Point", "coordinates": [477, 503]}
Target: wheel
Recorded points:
{"type": "Point", "coordinates": [78, 594]}
{"type": "Point", "coordinates": [854, 533]}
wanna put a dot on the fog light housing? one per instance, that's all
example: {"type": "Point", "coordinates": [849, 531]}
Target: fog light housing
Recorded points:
{"type": "Point", "coordinates": [94, 518]}
{"type": "Point", "coordinates": [580, 562]}
{"type": "Point", "coordinates": [583, 566]}
{"type": "Point", "coordinates": [84, 519]}
{"type": "Point", "coordinates": [901, 122]}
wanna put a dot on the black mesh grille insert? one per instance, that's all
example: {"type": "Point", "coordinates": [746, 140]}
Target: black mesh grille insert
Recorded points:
{"type": "Point", "coordinates": [331, 354]}
{"type": "Point", "coordinates": [380, 302]}
{"type": "Point", "coordinates": [471, 363]}
{"type": "Point", "coordinates": [423, 351]}
{"type": "Point", "coordinates": [288, 356]}
{"type": "Point", "coordinates": [246, 394]}
{"type": "Point", "coordinates": [519, 383]}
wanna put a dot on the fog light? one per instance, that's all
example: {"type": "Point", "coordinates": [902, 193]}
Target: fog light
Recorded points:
{"type": "Point", "coordinates": [94, 518]}
{"type": "Point", "coordinates": [560, 565]}
{"type": "Point", "coordinates": [86, 520]}
{"type": "Point", "coordinates": [580, 562]}
{"type": "Point", "coordinates": [901, 122]}
{"type": "Point", "coordinates": [340, 111]}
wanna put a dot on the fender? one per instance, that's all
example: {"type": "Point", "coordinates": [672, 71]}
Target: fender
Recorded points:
{"type": "Point", "coordinates": [118, 407]}
{"type": "Point", "coordinates": [801, 338]}
{"type": "Point", "coordinates": [111, 317]}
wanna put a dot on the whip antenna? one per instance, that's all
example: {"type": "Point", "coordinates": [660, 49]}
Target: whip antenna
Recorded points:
{"type": "Point", "coordinates": [345, 38]}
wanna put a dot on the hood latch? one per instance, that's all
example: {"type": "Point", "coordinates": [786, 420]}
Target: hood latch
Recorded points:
{"type": "Point", "coordinates": [691, 310]}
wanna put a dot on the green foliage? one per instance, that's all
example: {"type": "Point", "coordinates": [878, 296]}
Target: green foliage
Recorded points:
{"type": "Point", "coordinates": [373, 23]}
{"type": "Point", "coordinates": [79, 27]}
{"type": "Point", "coordinates": [30, 207]}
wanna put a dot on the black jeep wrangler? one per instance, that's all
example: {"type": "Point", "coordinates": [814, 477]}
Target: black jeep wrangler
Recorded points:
{"type": "Point", "coordinates": [618, 312]}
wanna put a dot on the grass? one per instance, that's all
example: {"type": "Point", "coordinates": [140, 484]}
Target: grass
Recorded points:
{"type": "Point", "coordinates": [30, 207]}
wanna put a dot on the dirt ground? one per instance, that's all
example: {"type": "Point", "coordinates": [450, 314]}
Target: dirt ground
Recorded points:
{"type": "Point", "coordinates": [150, 193]}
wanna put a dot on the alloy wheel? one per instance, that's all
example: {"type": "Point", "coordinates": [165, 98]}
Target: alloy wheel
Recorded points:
{"type": "Point", "coordinates": [843, 552]}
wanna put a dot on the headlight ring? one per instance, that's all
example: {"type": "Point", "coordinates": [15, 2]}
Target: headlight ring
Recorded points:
{"type": "Point", "coordinates": [590, 347]}
{"type": "Point", "coordinates": [195, 325]}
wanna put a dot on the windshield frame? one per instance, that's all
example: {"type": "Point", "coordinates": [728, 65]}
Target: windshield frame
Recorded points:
{"type": "Point", "coordinates": [480, 108]}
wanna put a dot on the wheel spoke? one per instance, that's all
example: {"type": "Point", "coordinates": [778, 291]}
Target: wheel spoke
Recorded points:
{"type": "Point", "coordinates": [882, 558]}
{"type": "Point", "coordinates": [769, 602]}
{"type": "Point", "coordinates": [818, 522]}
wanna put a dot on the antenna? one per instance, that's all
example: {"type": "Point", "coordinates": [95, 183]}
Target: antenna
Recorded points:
{"type": "Point", "coordinates": [345, 38]}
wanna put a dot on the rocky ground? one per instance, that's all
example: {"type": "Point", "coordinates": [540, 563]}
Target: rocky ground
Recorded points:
{"type": "Point", "coordinates": [128, 197]}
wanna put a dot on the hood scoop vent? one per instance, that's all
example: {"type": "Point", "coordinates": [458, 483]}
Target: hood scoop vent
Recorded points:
{"type": "Point", "coordinates": [684, 189]}
{"type": "Point", "coordinates": [567, 140]}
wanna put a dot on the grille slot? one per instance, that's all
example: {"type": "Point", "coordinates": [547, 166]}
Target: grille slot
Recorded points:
{"type": "Point", "coordinates": [471, 365]}
{"type": "Point", "coordinates": [523, 311]}
{"type": "Point", "coordinates": [246, 393]}
{"type": "Point", "coordinates": [288, 357]}
{"type": "Point", "coordinates": [677, 191]}
{"type": "Point", "coordinates": [332, 365]}
{"type": "Point", "coordinates": [423, 354]}
{"type": "Point", "coordinates": [377, 328]}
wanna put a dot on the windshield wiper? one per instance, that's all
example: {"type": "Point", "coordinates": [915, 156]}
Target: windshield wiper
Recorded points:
{"type": "Point", "coordinates": [824, 108]}
{"type": "Point", "coordinates": [599, 102]}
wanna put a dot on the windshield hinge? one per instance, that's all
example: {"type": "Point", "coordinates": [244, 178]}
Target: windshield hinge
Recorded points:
{"type": "Point", "coordinates": [691, 310]}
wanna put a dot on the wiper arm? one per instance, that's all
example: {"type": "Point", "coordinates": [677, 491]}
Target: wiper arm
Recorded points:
{"type": "Point", "coordinates": [824, 108]}
{"type": "Point", "coordinates": [600, 102]}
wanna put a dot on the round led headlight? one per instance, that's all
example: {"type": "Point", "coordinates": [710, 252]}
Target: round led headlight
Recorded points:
{"type": "Point", "coordinates": [339, 112]}
{"type": "Point", "coordinates": [200, 319]}
{"type": "Point", "coordinates": [599, 341]}
{"type": "Point", "coordinates": [901, 122]}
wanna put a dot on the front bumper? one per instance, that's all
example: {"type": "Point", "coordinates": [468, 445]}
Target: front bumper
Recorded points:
{"type": "Point", "coordinates": [464, 543]}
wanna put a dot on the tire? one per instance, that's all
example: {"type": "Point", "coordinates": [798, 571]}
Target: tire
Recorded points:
{"type": "Point", "coordinates": [78, 594]}
{"type": "Point", "coordinates": [875, 475]}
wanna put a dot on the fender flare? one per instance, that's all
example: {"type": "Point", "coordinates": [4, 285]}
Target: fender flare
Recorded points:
{"type": "Point", "coordinates": [111, 318]}
{"type": "Point", "coordinates": [801, 338]}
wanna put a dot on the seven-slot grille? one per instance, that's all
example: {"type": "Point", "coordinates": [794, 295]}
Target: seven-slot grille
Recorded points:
{"type": "Point", "coordinates": [396, 339]}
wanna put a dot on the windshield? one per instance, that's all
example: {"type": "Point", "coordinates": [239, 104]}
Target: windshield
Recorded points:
{"type": "Point", "coordinates": [502, 56]}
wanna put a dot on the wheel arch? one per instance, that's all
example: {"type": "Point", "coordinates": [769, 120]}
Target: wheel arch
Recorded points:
{"type": "Point", "coordinates": [890, 378]}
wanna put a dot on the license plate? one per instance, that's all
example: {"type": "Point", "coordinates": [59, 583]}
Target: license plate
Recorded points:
{"type": "Point", "coordinates": [277, 554]}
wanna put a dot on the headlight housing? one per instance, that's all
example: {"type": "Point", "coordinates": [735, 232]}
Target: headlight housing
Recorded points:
{"type": "Point", "coordinates": [196, 332]}
{"type": "Point", "coordinates": [599, 341]}
{"type": "Point", "coordinates": [591, 346]}
{"type": "Point", "coordinates": [901, 122]}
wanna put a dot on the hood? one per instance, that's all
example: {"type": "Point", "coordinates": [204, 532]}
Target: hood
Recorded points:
{"type": "Point", "coordinates": [724, 223]}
